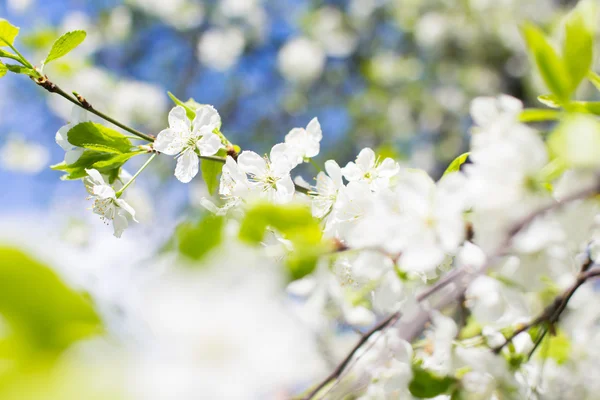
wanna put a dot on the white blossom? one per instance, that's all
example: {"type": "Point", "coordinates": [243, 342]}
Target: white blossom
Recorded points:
{"type": "Point", "coordinates": [184, 138]}
{"type": "Point", "coordinates": [72, 153]}
{"type": "Point", "coordinates": [305, 143]}
{"type": "Point", "coordinates": [270, 176]}
{"type": "Point", "coordinates": [106, 204]}
{"type": "Point", "coordinates": [367, 168]}
{"type": "Point", "coordinates": [327, 188]}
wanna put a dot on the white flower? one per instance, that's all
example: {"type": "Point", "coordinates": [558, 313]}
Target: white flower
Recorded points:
{"type": "Point", "coordinates": [368, 169]}
{"type": "Point", "coordinates": [353, 202]}
{"type": "Point", "coordinates": [495, 118]}
{"type": "Point", "coordinates": [328, 186]}
{"type": "Point", "coordinates": [271, 177]}
{"type": "Point", "coordinates": [432, 220]}
{"type": "Point", "coordinates": [182, 138]}
{"type": "Point", "coordinates": [106, 203]}
{"type": "Point", "coordinates": [441, 338]}
{"type": "Point", "coordinates": [305, 143]}
{"type": "Point", "coordinates": [72, 153]}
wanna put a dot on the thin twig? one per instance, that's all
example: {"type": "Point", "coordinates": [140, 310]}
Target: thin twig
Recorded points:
{"type": "Point", "coordinates": [390, 320]}
{"type": "Point", "coordinates": [552, 313]}
{"type": "Point", "coordinates": [53, 88]}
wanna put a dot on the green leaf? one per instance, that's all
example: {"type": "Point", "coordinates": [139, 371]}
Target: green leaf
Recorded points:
{"type": "Point", "coordinates": [7, 54]}
{"type": "Point", "coordinates": [3, 69]}
{"type": "Point", "coordinates": [456, 163]}
{"type": "Point", "coordinates": [210, 172]}
{"type": "Point", "coordinates": [108, 163]}
{"type": "Point", "coordinates": [197, 240]}
{"type": "Point", "coordinates": [538, 115]}
{"type": "Point", "coordinates": [8, 33]}
{"type": "Point", "coordinates": [558, 348]}
{"type": "Point", "coordinates": [549, 63]}
{"type": "Point", "coordinates": [576, 141]}
{"type": "Point", "coordinates": [90, 135]}
{"type": "Point", "coordinates": [594, 78]}
{"type": "Point", "coordinates": [578, 46]}
{"type": "Point", "coordinates": [191, 113]}
{"type": "Point", "coordinates": [471, 329]}
{"type": "Point", "coordinates": [296, 224]}
{"type": "Point", "coordinates": [293, 221]}
{"type": "Point", "coordinates": [65, 44]}
{"type": "Point", "coordinates": [587, 107]}
{"type": "Point", "coordinates": [426, 385]}
{"type": "Point", "coordinates": [549, 100]}
{"type": "Point", "coordinates": [19, 69]}
{"type": "Point", "coordinates": [39, 306]}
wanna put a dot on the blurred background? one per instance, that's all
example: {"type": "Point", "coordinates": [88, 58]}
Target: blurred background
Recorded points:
{"type": "Point", "coordinates": [396, 75]}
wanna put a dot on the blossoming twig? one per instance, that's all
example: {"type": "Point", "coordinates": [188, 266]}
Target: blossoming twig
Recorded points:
{"type": "Point", "coordinates": [553, 312]}
{"type": "Point", "coordinates": [453, 277]}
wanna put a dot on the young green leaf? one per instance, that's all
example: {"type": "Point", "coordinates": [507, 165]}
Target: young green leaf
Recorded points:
{"type": "Point", "coordinates": [191, 113]}
{"type": "Point", "coordinates": [558, 348]}
{"type": "Point", "coordinates": [549, 63]}
{"type": "Point", "coordinates": [578, 46]}
{"type": "Point", "coordinates": [576, 141]}
{"type": "Point", "coordinates": [456, 163]}
{"type": "Point", "coordinates": [107, 163]}
{"type": "Point", "coordinates": [549, 100]}
{"type": "Point", "coordinates": [3, 69]}
{"type": "Point", "coordinates": [210, 172]}
{"type": "Point", "coordinates": [93, 136]}
{"type": "Point", "coordinates": [19, 69]}
{"type": "Point", "coordinates": [65, 44]}
{"type": "Point", "coordinates": [8, 33]}
{"type": "Point", "coordinates": [426, 385]}
{"type": "Point", "coordinates": [39, 306]}
{"type": "Point", "coordinates": [293, 222]}
{"type": "Point", "coordinates": [538, 115]}
{"type": "Point", "coordinates": [594, 78]}
{"type": "Point", "coordinates": [587, 107]}
{"type": "Point", "coordinates": [197, 240]}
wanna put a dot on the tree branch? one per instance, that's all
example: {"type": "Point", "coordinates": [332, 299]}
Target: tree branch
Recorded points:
{"type": "Point", "coordinates": [553, 312]}
{"type": "Point", "coordinates": [459, 276]}
{"type": "Point", "coordinates": [81, 102]}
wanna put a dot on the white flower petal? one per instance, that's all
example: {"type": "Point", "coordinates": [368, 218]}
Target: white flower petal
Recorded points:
{"type": "Point", "coordinates": [209, 144]}
{"type": "Point", "coordinates": [170, 141]}
{"type": "Point", "coordinates": [207, 120]}
{"type": "Point", "coordinates": [352, 172]}
{"type": "Point", "coordinates": [366, 159]}
{"type": "Point", "coordinates": [120, 223]}
{"type": "Point", "coordinates": [71, 156]}
{"type": "Point", "coordinates": [178, 120]}
{"type": "Point", "coordinates": [334, 171]}
{"type": "Point", "coordinates": [187, 166]}
{"type": "Point", "coordinates": [61, 137]}
{"type": "Point", "coordinates": [252, 163]}
{"type": "Point", "coordinates": [285, 190]}
{"type": "Point", "coordinates": [314, 130]}
{"type": "Point", "coordinates": [97, 178]}
{"type": "Point", "coordinates": [126, 208]}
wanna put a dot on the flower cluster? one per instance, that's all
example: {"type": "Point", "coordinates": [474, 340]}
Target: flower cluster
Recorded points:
{"type": "Point", "coordinates": [476, 285]}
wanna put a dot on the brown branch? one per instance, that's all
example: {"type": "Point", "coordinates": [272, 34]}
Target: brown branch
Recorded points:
{"type": "Point", "coordinates": [390, 320]}
{"type": "Point", "coordinates": [51, 87]}
{"type": "Point", "coordinates": [552, 313]}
